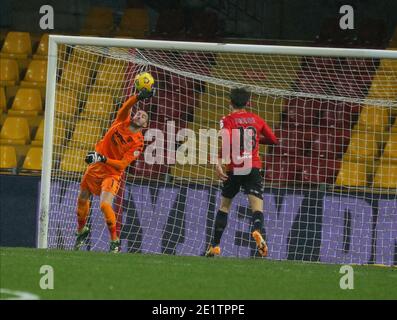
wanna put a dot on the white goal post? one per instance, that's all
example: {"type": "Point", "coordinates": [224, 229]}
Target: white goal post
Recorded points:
{"type": "Point", "coordinates": [345, 211]}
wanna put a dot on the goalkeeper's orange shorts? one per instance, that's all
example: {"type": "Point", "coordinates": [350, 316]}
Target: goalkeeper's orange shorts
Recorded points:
{"type": "Point", "coordinates": [97, 179]}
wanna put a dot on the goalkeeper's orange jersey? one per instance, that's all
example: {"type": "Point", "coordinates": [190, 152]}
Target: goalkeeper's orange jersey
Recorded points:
{"type": "Point", "coordinates": [120, 145]}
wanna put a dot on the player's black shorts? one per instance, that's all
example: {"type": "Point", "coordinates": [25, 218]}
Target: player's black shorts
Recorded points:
{"type": "Point", "coordinates": [251, 183]}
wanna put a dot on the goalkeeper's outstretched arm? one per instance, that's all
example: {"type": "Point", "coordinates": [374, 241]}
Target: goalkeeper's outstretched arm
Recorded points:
{"type": "Point", "coordinates": [125, 110]}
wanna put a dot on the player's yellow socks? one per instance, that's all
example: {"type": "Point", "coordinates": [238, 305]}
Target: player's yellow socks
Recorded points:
{"type": "Point", "coordinates": [83, 208]}
{"type": "Point", "coordinates": [110, 218]}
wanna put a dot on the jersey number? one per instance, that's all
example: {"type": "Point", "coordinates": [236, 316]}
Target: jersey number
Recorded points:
{"type": "Point", "coordinates": [247, 139]}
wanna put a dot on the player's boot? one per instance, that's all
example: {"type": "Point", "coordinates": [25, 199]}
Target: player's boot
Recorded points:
{"type": "Point", "coordinates": [213, 251]}
{"type": "Point", "coordinates": [81, 237]}
{"type": "Point", "coordinates": [115, 246]}
{"type": "Point", "coordinates": [260, 243]}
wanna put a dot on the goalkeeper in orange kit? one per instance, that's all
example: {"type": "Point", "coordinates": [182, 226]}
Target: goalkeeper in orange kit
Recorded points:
{"type": "Point", "coordinates": [121, 145]}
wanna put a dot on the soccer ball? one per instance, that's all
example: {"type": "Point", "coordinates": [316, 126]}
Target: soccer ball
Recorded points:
{"type": "Point", "coordinates": [144, 80]}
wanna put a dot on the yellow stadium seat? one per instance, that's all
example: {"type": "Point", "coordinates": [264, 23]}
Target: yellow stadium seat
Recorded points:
{"type": "Point", "coordinates": [111, 77]}
{"type": "Point", "coordinates": [352, 174]}
{"type": "Point", "coordinates": [135, 21]}
{"type": "Point", "coordinates": [27, 102]}
{"type": "Point", "coordinates": [39, 136]}
{"type": "Point", "coordinates": [384, 86]}
{"type": "Point", "coordinates": [17, 45]}
{"type": "Point", "coordinates": [8, 159]}
{"type": "Point", "coordinates": [386, 176]}
{"type": "Point", "coordinates": [194, 172]}
{"type": "Point", "coordinates": [9, 72]}
{"type": "Point", "coordinates": [388, 65]}
{"type": "Point", "coordinates": [36, 76]}
{"type": "Point", "coordinates": [42, 49]}
{"type": "Point", "coordinates": [394, 127]}
{"type": "Point", "coordinates": [374, 118]}
{"type": "Point", "coordinates": [15, 131]}
{"type": "Point", "coordinates": [66, 104]}
{"type": "Point", "coordinates": [99, 106]}
{"type": "Point", "coordinates": [73, 160]}
{"type": "Point", "coordinates": [86, 134]}
{"type": "Point", "coordinates": [99, 21]}
{"type": "Point", "coordinates": [3, 100]}
{"type": "Point", "coordinates": [60, 133]}
{"type": "Point", "coordinates": [33, 159]}
{"type": "Point", "coordinates": [363, 147]}
{"type": "Point", "coordinates": [75, 76]}
{"type": "Point", "coordinates": [391, 148]}
{"type": "Point", "coordinates": [83, 58]}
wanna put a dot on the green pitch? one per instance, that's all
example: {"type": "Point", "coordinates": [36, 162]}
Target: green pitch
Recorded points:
{"type": "Point", "coordinates": [90, 275]}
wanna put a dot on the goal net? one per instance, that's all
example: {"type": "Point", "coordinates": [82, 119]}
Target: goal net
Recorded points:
{"type": "Point", "coordinates": [330, 184]}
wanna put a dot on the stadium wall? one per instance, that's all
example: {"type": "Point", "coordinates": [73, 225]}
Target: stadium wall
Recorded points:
{"type": "Point", "coordinates": [18, 210]}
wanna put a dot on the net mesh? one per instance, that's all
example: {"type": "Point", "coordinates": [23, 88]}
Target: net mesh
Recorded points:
{"type": "Point", "coordinates": [330, 185]}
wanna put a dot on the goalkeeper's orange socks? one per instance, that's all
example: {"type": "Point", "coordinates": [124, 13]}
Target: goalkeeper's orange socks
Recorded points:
{"type": "Point", "coordinates": [110, 218]}
{"type": "Point", "coordinates": [83, 208]}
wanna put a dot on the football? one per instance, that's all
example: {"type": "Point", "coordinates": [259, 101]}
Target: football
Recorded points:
{"type": "Point", "coordinates": [144, 80]}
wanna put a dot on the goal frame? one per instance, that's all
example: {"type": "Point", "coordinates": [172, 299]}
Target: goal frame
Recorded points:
{"type": "Point", "coordinates": [56, 40]}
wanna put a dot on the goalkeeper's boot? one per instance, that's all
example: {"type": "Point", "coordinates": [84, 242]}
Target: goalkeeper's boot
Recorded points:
{"type": "Point", "coordinates": [115, 246]}
{"type": "Point", "coordinates": [81, 237]}
{"type": "Point", "coordinates": [260, 243]}
{"type": "Point", "coordinates": [213, 251]}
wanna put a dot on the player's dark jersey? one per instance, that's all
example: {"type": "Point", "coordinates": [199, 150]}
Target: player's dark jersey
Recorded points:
{"type": "Point", "coordinates": [251, 130]}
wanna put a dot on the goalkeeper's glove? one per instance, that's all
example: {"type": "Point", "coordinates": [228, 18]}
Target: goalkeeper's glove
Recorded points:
{"type": "Point", "coordinates": [94, 157]}
{"type": "Point", "coordinates": [146, 94]}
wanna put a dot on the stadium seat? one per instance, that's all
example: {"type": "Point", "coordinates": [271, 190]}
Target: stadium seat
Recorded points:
{"type": "Point", "coordinates": [145, 171]}
{"type": "Point", "coordinates": [320, 171]}
{"type": "Point", "coordinates": [391, 148]}
{"type": "Point", "coordinates": [3, 100]}
{"type": "Point", "coordinates": [363, 147]}
{"type": "Point", "coordinates": [352, 174]}
{"type": "Point", "coordinates": [170, 23]}
{"type": "Point", "coordinates": [9, 72]}
{"type": "Point", "coordinates": [15, 131]}
{"type": "Point", "coordinates": [384, 86]}
{"type": "Point", "coordinates": [99, 21]}
{"type": "Point", "coordinates": [282, 170]}
{"type": "Point", "coordinates": [73, 160]}
{"type": "Point", "coordinates": [33, 160]}
{"type": "Point", "coordinates": [75, 76]}
{"type": "Point", "coordinates": [82, 58]}
{"type": "Point", "coordinates": [99, 106]}
{"type": "Point", "coordinates": [36, 76]}
{"type": "Point", "coordinates": [86, 134]}
{"type": "Point", "coordinates": [8, 159]}
{"type": "Point", "coordinates": [17, 45]}
{"type": "Point", "coordinates": [297, 116]}
{"type": "Point", "coordinates": [386, 175]}
{"type": "Point", "coordinates": [27, 102]}
{"type": "Point", "coordinates": [66, 105]}
{"type": "Point", "coordinates": [39, 136]}
{"type": "Point", "coordinates": [135, 22]}
{"type": "Point", "coordinates": [328, 143]}
{"type": "Point", "coordinates": [291, 142]}
{"type": "Point", "coordinates": [111, 77]}
{"type": "Point", "coordinates": [197, 173]}
{"type": "Point", "coordinates": [374, 118]}
{"type": "Point", "coordinates": [42, 48]}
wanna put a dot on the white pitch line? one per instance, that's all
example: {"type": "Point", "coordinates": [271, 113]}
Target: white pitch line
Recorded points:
{"type": "Point", "coordinates": [18, 295]}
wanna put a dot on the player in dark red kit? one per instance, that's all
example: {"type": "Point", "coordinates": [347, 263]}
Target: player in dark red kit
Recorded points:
{"type": "Point", "coordinates": [244, 132]}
